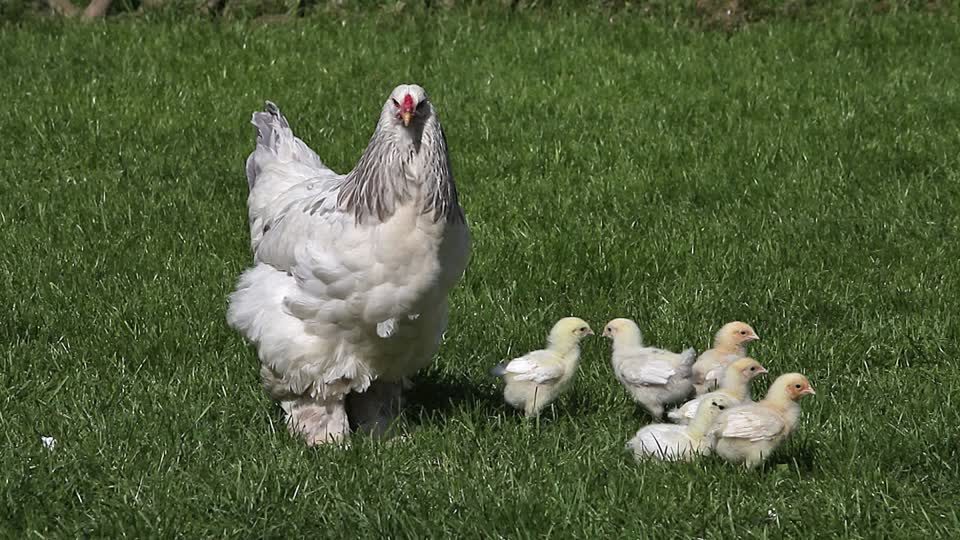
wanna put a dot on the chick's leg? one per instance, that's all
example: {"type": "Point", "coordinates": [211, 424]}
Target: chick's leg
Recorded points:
{"type": "Point", "coordinates": [534, 401]}
{"type": "Point", "coordinates": [375, 410]}
{"type": "Point", "coordinates": [754, 458]}
{"type": "Point", "coordinates": [318, 420]}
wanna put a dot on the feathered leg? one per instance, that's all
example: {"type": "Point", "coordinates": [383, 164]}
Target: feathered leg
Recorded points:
{"type": "Point", "coordinates": [375, 410]}
{"type": "Point", "coordinates": [318, 421]}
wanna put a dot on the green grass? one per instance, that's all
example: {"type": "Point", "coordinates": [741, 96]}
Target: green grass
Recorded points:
{"type": "Point", "coordinates": [801, 176]}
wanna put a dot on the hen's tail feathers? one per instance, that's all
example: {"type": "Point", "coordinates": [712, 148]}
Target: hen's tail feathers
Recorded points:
{"type": "Point", "coordinates": [499, 370]}
{"type": "Point", "coordinates": [275, 140]}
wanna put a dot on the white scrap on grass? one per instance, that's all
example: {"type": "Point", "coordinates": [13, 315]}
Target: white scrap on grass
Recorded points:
{"type": "Point", "coordinates": [48, 442]}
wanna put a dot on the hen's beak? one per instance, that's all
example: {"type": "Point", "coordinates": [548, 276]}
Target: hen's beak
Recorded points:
{"type": "Point", "coordinates": [407, 117]}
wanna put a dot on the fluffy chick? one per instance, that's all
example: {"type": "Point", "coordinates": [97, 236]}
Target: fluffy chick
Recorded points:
{"type": "Point", "coordinates": [670, 442]}
{"type": "Point", "coordinates": [749, 433]}
{"type": "Point", "coordinates": [736, 386]}
{"type": "Point", "coordinates": [729, 344]}
{"type": "Point", "coordinates": [535, 379]}
{"type": "Point", "coordinates": [653, 377]}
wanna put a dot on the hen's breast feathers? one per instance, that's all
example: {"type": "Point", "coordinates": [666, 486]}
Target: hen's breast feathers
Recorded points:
{"type": "Point", "coordinates": [377, 270]}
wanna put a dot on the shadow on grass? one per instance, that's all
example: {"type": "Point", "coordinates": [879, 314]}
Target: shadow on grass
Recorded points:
{"type": "Point", "coordinates": [434, 399]}
{"type": "Point", "coordinates": [797, 457]}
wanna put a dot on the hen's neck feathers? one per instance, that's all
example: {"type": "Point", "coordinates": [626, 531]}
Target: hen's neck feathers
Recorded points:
{"type": "Point", "coordinates": [382, 180]}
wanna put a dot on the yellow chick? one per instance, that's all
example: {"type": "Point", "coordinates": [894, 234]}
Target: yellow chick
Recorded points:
{"type": "Point", "coordinates": [535, 379]}
{"type": "Point", "coordinates": [653, 377]}
{"type": "Point", "coordinates": [736, 386]}
{"type": "Point", "coordinates": [729, 344]}
{"type": "Point", "coordinates": [749, 433]}
{"type": "Point", "coordinates": [670, 442]}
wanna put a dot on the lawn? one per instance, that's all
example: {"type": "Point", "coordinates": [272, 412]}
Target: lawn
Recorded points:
{"type": "Point", "coordinates": [803, 176]}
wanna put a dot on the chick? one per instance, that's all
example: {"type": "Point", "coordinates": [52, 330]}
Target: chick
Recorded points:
{"type": "Point", "coordinates": [749, 433]}
{"type": "Point", "coordinates": [670, 442]}
{"type": "Point", "coordinates": [653, 377]}
{"type": "Point", "coordinates": [729, 344]}
{"type": "Point", "coordinates": [535, 379]}
{"type": "Point", "coordinates": [736, 386]}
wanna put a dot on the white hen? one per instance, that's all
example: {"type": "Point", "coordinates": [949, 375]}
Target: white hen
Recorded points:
{"type": "Point", "coordinates": [348, 295]}
{"type": "Point", "coordinates": [653, 377]}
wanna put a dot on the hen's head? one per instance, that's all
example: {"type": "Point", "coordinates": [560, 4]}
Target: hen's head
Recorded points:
{"type": "Point", "coordinates": [407, 106]}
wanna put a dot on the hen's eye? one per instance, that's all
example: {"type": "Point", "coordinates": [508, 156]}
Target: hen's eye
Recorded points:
{"type": "Point", "coordinates": [395, 103]}
{"type": "Point", "coordinates": [421, 105]}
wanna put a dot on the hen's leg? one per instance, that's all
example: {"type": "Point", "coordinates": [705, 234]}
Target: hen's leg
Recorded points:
{"type": "Point", "coordinates": [318, 421]}
{"type": "Point", "coordinates": [375, 410]}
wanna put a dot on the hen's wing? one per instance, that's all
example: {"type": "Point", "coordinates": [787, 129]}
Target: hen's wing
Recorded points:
{"type": "Point", "coordinates": [281, 171]}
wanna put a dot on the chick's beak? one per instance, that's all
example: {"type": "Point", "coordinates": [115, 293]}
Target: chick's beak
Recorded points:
{"type": "Point", "coordinates": [589, 331]}
{"type": "Point", "coordinates": [761, 370]}
{"type": "Point", "coordinates": [753, 337]}
{"type": "Point", "coordinates": [809, 390]}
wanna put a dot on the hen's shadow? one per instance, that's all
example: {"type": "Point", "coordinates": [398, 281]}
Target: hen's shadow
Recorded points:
{"type": "Point", "coordinates": [434, 399]}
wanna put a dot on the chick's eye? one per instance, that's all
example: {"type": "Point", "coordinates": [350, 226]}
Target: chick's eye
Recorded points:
{"type": "Point", "coordinates": [753, 368]}
{"type": "Point", "coordinates": [742, 332]}
{"type": "Point", "coordinates": [583, 328]}
{"type": "Point", "coordinates": [721, 407]}
{"type": "Point", "coordinates": [797, 386]}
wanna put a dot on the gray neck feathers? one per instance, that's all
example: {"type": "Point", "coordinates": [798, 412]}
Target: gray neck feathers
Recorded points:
{"type": "Point", "coordinates": [397, 163]}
